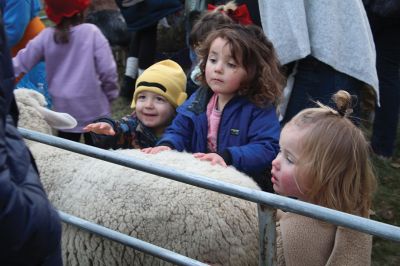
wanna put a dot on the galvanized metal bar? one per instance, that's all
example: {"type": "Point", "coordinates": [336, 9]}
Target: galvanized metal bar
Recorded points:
{"type": "Point", "coordinates": [368, 226]}
{"type": "Point", "coordinates": [129, 241]}
{"type": "Point", "coordinates": [267, 235]}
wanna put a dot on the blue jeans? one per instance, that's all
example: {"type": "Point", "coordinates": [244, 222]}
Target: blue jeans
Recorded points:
{"type": "Point", "coordinates": [317, 81]}
{"type": "Point", "coordinates": [387, 43]}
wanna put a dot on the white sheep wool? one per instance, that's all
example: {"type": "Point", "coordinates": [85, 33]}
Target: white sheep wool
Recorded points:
{"type": "Point", "coordinates": [198, 223]}
{"type": "Point", "coordinates": [208, 226]}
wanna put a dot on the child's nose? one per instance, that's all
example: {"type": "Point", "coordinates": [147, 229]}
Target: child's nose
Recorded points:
{"type": "Point", "coordinates": [218, 67]}
{"type": "Point", "coordinates": [275, 162]}
{"type": "Point", "coordinates": [149, 103]}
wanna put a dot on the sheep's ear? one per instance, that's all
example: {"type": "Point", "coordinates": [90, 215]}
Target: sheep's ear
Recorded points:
{"type": "Point", "coordinates": [57, 120]}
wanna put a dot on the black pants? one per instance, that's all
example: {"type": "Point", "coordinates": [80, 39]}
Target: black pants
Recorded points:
{"type": "Point", "coordinates": [143, 46]}
{"type": "Point", "coordinates": [386, 35]}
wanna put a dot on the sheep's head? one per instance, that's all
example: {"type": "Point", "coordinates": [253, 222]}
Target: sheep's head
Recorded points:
{"type": "Point", "coordinates": [34, 115]}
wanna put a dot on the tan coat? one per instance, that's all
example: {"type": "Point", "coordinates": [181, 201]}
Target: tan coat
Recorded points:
{"type": "Point", "coordinates": [305, 241]}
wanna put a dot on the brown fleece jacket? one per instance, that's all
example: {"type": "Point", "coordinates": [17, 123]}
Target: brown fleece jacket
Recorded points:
{"type": "Point", "coordinates": [305, 241]}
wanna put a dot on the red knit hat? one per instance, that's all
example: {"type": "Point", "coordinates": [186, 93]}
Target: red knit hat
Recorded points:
{"type": "Point", "coordinates": [57, 9]}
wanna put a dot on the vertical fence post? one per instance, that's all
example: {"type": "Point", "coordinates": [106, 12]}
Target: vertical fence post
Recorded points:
{"type": "Point", "coordinates": [267, 235]}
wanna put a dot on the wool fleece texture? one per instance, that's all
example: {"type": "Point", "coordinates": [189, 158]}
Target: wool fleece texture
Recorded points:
{"type": "Point", "coordinates": [204, 225]}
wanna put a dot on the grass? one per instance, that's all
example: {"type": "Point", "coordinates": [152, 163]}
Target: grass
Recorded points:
{"type": "Point", "coordinates": [387, 207]}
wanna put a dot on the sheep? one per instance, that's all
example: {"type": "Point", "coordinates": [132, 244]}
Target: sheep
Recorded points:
{"type": "Point", "coordinates": [34, 115]}
{"type": "Point", "coordinates": [210, 227]}
{"type": "Point", "coordinates": [31, 102]}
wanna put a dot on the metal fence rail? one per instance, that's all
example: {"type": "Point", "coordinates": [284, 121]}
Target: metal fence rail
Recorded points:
{"type": "Point", "coordinates": [129, 241]}
{"type": "Point", "coordinates": [368, 226]}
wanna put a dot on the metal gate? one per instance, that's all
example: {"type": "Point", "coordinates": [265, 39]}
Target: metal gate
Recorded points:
{"type": "Point", "coordinates": [267, 204]}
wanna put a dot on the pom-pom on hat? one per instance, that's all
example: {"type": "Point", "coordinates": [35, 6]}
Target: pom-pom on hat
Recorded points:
{"type": "Point", "coordinates": [165, 78]}
{"type": "Point", "coordinates": [57, 9]}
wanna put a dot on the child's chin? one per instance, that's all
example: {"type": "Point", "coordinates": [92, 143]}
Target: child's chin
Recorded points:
{"type": "Point", "coordinates": [276, 189]}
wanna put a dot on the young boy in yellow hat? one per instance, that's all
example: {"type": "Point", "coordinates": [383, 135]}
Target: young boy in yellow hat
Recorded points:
{"type": "Point", "coordinates": [158, 92]}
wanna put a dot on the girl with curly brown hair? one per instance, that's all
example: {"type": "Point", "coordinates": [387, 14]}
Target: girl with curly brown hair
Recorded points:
{"type": "Point", "coordinates": [231, 119]}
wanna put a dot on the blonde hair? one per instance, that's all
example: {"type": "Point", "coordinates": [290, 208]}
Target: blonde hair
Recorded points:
{"type": "Point", "coordinates": [335, 158]}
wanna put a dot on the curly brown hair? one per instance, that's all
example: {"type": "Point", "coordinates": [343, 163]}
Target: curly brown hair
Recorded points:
{"type": "Point", "coordinates": [252, 50]}
{"type": "Point", "coordinates": [206, 23]}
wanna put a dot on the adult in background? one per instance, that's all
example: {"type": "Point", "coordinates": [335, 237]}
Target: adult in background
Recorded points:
{"type": "Point", "coordinates": [330, 44]}
{"type": "Point", "coordinates": [384, 17]}
{"type": "Point", "coordinates": [142, 17]}
{"type": "Point", "coordinates": [30, 228]}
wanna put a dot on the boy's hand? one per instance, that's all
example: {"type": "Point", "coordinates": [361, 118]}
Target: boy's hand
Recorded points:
{"type": "Point", "coordinates": [100, 128]}
{"type": "Point", "coordinates": [155, 150]}
{"type": "Point", "coordinates": [212, 157]}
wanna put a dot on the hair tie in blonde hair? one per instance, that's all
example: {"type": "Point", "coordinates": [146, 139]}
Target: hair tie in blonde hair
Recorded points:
{"type": "Point", "coordinates": [344, 102]}
{"type": "Point", "coordinates": [341, 112]}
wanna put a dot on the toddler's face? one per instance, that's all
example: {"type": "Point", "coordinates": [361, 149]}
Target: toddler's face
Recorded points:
{"type": "Point", "coordinates": [154, 111]}
{"type": "Point", "coordinates": [285, 166]}
{"type": "Point", "coordinates": [223, 74]}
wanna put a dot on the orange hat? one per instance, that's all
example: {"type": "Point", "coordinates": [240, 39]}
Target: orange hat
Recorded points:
{"type": "Point", "coordinates": [58, 9]}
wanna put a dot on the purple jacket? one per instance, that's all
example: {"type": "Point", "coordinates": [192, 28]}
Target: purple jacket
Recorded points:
{"type": "Point", "coordinates": [82, 74]}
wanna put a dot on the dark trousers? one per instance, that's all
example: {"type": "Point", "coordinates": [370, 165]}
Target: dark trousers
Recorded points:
{"type": "Point", "coordinates": [76, 137]}
{"type": "Point", "coordinates": [317, 81]}
{"type": "Point", "coordinates": [387, 43]}
{"type": "Point", "coordinates": [143, 46]}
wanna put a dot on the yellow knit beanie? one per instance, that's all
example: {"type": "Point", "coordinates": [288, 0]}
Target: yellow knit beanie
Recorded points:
{"type": "Point", "coordinates": [165, 78]}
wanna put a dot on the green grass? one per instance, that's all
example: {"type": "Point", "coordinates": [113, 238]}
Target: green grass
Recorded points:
{"type": "Point", "coordinates": [387, 207]}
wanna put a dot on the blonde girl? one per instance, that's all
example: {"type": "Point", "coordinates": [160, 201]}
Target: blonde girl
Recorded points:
{"type": "Point", "coordinates": [324, 160]}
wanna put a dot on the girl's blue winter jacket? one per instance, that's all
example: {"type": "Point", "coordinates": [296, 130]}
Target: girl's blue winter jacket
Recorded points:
{"type": "Point", "coordinates": [248, 136]}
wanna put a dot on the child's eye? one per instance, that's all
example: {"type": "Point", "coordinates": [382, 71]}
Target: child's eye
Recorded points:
{"type": "Point", "coordinates": [232, 65]}
{"type": "Point", "coordinates": [212, 60]}
{"type": "Point", "coordinates": [289, 159]}
{"type": "Point", "coordinates": [141, 97]}
{"type": "Point", "coordinates": [160, 99]}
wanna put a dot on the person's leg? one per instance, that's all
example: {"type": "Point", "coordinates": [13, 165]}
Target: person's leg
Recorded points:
{"type": "Point", "coordinates": [69, 135]}
{"type": "Point", "coordinates": [131, 69]}
{"type": "Point", "coordinates": [147, 47]}
{"type": "Point", "coordinates": [141, 55]}
{"type": "Point", "coordinates": [387, 43]}
{"type": "Point", "coordinates": [317, 81]}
